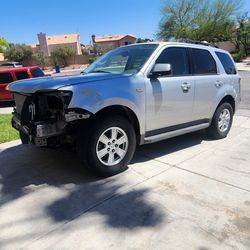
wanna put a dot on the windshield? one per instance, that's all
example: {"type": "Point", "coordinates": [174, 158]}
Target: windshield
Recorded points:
{"type": "Point", "coordinates": [128, 60]}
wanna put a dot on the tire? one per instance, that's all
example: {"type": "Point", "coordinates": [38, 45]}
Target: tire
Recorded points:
{"type": "Point", "coordinates": [221, 122]}
{"type": "Point", "coordinates": [107, 145]}
{"type": "Point", "coordinates": [24, 138]}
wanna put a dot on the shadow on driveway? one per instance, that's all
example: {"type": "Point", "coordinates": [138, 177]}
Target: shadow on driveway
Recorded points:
{"type": "Point", "coordinates": [24, 166]}
{"type": "Point", "coordinates": [155, 150]}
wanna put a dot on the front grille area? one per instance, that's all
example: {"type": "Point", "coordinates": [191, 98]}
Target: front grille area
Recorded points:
{"type": "Point", "coordinates": [22, 109]}
{"type": "Point", "coordinates": [41, 116]}
{"type": "Point", "coordinates": [19, 100]}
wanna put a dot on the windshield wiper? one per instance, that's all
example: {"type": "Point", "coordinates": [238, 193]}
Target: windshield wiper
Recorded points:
{"type": "Point", "coordinates": [100, 71]}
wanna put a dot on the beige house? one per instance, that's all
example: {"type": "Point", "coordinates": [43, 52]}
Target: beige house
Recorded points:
{"type": "Point", "coordinates": [227, 45]}
{"type": "Point", "coordinates": [1, 57]}
{"type": "Point", "coordinates": [47, 43]}
{"type": "Point", "coordinates": [104, 43]}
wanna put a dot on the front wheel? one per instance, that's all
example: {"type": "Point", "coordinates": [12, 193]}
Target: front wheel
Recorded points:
{"type": "Point", "coordinates": [221, 122]}
{"type": "Point", "coordinates": [108, 146]}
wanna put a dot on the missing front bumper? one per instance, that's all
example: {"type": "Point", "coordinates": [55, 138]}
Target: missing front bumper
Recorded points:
{"type": "Point", "coordinates": [38, 132]}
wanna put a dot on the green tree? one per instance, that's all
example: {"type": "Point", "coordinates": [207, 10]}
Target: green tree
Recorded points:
{"type": "Point", "coordinates": [18, 52]}
{"type": "Point", "coordinates": [210, 21]}
{"type": "Point", "coordinates": [61, 55]}
{"type": "Point", "coordinates": [4, 44]}
{"type": "Point", "coordinates": [101, 50]}
{"type": "Point", "coordinates": [241, 36]}
{"type": "Point", "coordinates": [41, 59]}
{"type": "Point", "coordinates": [143, 40]}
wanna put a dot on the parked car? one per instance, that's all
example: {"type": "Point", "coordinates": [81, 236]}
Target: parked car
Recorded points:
{"type": "Point", "coordinates": [11, 65]}
{"type": "Point", "coordinates": [10, 75]}
{"type": "Point", "coordinates": [131, 96]}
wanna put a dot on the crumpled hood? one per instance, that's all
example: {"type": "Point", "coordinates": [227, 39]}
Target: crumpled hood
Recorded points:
{"type": "Point", "coordinates": [50, 83]}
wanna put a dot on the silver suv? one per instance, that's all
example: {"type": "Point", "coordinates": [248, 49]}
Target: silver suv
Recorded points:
{"type": "Point", "coordinates": [132, 95]}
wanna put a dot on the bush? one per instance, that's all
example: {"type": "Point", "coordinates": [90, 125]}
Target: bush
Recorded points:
{"type": "Point", "coordinates": [92, 59]}
{"type": "Point", "coordinates": [18, 53]}
{"type": "Point", "coordinates": [61, 55]}
{"type": "Point", "coordinates": [238, 56]}
{"type": "Point", "coordinates": [41, 59]}
{"type": "Point", "coordinates": [4, 44]}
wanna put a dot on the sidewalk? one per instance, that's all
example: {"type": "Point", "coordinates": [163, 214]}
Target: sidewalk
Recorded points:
{"type": "Point", "coordinates": [66, 71]}
{"type": "Point", "coordinates": [244, 65]}
{"type": "Point", "coordinates": [7, 110]}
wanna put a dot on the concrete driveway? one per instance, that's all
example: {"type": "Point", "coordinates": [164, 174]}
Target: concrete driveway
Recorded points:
{"type": "Point", "coordinates": [184, 193]}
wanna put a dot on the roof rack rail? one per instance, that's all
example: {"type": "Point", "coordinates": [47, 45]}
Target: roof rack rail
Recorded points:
{"type": "Point", "coordinates": [197, 42]}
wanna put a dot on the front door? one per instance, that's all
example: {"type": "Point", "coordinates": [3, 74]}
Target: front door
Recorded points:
{"type": "Point", "coordinates": [169, 99]}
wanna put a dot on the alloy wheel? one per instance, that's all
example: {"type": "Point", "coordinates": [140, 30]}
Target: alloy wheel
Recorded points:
{"type": "Point", "coordinates": [112, 146]}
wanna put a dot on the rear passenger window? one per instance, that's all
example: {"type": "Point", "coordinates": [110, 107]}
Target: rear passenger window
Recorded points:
{"type": "Point", "coordinates": [37, 73]}
{"type": "Point", "coordinates": [227, 63]}
{"type": "Point", "coordinates": [21, 75]}
{"type": "Point", "coordinates": [178, 59]}
{"type": "Point", "coordinates": [5, 78]}
{"type": "Point", "coordinates": [204, 63]}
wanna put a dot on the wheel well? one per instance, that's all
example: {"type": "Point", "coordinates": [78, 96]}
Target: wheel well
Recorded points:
{"type": "Point", "coordinates": [230, 100]}
{"type": "Point", "coordinates": [124, 111]}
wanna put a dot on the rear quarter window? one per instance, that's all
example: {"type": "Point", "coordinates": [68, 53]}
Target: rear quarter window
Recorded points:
{"type": "Point", "coordinates": [37, 73]}
{"type": "Point", "coordinates": [21, 75]}
{"type": "Point", "coordinates": [5, 78]}
{"type": "Point", "coordinates": [227, 63]}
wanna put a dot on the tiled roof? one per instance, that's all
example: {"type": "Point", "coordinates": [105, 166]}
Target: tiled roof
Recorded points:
{"type": "Point", "coordinates": [61, 39]}
{"type": "Point", "coordinates": [111, 38]}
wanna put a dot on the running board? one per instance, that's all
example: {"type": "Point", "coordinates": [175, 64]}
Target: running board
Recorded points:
{"type": "Point", "coordinates": [174, 133]}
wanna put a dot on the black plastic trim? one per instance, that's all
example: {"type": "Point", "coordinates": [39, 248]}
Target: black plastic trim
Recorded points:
{"type": "Point", "coordinates": [175, 127]}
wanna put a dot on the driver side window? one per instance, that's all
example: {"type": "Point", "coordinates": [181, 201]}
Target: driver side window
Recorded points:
{"type": "Point", "coordinates": [177, 57]}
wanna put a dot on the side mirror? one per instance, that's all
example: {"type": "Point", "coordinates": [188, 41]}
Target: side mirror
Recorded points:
{"type": "Point", "coordinates": [160, 69]}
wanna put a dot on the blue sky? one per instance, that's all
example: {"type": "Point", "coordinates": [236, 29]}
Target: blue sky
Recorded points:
{"type": "Point", "coordinates": [20, 21]}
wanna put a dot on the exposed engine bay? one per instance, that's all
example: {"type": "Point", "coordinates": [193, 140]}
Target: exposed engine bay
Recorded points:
{"type": "Point", "coordinates": [44, 119]}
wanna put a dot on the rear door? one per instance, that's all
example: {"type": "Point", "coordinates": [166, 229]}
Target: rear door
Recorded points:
{"type": "Point", "coordinates": [5, 79]}
{"type": "Point", "coordinates": [21, 74]}
{"type": "Point", "coordinates": [207, 80]}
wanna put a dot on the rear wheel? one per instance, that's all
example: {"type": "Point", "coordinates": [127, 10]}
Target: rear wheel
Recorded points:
{"type": "Point", "coordinates": [221, 122]}
{"type": "Point", "coordinates": [108, 146]}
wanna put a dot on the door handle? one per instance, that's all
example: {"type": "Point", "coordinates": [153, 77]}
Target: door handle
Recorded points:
{"type": "Point", "coordinates": [218, 84]}
{"type": "Point", "coordinates": [185, 87]}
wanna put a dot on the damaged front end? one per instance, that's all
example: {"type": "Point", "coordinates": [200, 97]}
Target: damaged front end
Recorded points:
{"type": "Point", "coordinates": [44, 118]}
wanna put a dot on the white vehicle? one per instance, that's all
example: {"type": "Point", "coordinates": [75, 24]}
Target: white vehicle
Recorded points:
{"type": "Point", "coordinates": [134, 94]}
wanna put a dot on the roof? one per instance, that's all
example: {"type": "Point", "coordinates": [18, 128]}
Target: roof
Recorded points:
{"type": "Point", "coordinates": [110, 38]}
{"type": "Point", "coordinates": [187, 44]}
{"type": "Point", "coordinates": [17, 69]}
{"type": "Point", "coordinates": [33, 46]}
{"type": "Point", "coordinates": [61, 39]}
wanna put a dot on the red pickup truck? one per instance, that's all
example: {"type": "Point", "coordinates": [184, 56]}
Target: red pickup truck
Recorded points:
{"type": "Point", "coordinates": [13, 74]}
